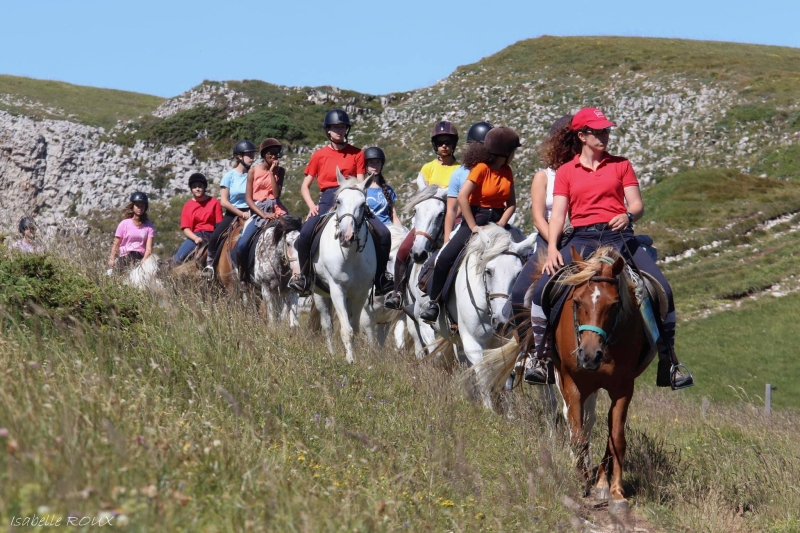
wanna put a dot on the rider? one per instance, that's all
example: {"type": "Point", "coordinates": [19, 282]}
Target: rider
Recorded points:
{"type": "Point", "coordinates": [476, 134]}
{"type": "Point", "coordinates": [487, 196]}
{"type": "Point", "coordinates": [134, 236]}
{"type": "Point", "coordinates": [28, 242]}
{"type": "Point", "coordinates": [198, 217]}
{"type": "Point", "coordinates": [594, 188]}
{"type": "Point", "coordinates": [263, 192]}
{"type": "Point", "coordinates": [232, 197]}
{"type": "Point", "coordinates": [322, 168]}
{"type": "Point", "coordinates": [444, 139]}
{"type": "Point", "coordinates": [381, 198]}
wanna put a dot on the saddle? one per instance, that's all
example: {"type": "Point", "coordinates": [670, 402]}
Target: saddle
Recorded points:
{"type": "Point", "coordinates": [426, 275]}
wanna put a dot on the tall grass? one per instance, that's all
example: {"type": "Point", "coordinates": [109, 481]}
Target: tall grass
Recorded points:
{"type": "Point", "coordinates": [200, 417]}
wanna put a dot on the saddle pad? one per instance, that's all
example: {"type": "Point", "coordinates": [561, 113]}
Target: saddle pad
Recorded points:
{"type": "Point", "coordinates": [451, 276]}
{"type": "Point", "coordinates": [657, 294]}
{"type": "Point", "coordinates": [426, 272]}
{"type": "Point", "coordinates": [555, 291]}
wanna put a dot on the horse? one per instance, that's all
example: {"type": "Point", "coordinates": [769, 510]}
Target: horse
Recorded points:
{"type": "Point", "coordinates": [492, 262]}
{"type": "Point", "coordinates": [144, 275]}
{"type": "Point", "coordinates": [429, 206]}
{"type": "Point", "coordinates": [346, 261]}
{"type": "Point", "coordinates": [226, 272]}
{"type": "Point", "coordinates": [600, 343]}
{"type": "Point", "coordinates": [275, 257]}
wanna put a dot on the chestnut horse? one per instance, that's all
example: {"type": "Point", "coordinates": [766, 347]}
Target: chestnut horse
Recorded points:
{"type": "Point", "coordinates": [226, 272]}
{"type": "Point", "coordinates": [600, 343]}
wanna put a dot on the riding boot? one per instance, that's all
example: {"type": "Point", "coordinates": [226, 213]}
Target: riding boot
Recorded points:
{"type": "Point", "coordinates": [394, 300]}
{"type": "Point", "coordinates": [300, 282]}
{"type": "Point", "coordinates": [671, 373]}
{"type": "Point", "coordinates": [538, 371]}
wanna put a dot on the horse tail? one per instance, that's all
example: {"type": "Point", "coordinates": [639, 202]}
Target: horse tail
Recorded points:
{"type": "Point", "coordinates": [314, 323]}
{"type": "Point", "coordinates": [443, 354]}
{"type": "Point", "coordinates": [492, 372]}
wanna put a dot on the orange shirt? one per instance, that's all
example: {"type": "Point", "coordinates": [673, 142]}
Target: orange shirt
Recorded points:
{"type": "Point", "coordinates": [492, 187]}
{"type": "Point", "coordinates": [324, 161]}
{"type": "Point", "coordinates": [262, 186]}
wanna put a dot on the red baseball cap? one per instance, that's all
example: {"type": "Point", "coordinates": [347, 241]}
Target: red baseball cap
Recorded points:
{"type": "Point", "coordinates": [590, 117]}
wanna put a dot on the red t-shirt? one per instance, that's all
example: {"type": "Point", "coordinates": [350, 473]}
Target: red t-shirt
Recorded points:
{"type": "Point", "coordinates": [595, 197]}
{"type": "Point", "coordinates": [324, 161]}
{"type": "Point", "coordinates": [201, 216]}
{"type": "Point", "coordinates": [492, 187]}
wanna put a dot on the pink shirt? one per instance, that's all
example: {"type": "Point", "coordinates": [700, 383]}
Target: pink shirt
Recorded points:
{"type": "Point", "coordinates": [133, 238]}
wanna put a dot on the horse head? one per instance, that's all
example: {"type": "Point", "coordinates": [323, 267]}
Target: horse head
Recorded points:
{"type": "Point", "coordinates": [598, 304]}
{"type": "Point", "coordinates": [429, 205]}
{"type": "Point", "coordinates": [499, 274]}
{"type": "Point", "coordinates": [350, 208]}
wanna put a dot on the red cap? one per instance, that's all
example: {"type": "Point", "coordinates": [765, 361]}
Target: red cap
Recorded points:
{"type": "Point", "coordinates": [590, 117]}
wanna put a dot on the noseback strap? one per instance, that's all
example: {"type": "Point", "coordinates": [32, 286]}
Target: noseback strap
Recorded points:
{"type": "Point", "coordinates": [594, 329]}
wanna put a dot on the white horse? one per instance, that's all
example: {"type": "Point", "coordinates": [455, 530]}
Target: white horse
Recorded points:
{"type": "Point", "coordinates": [346, 261]}
{"type": "Point", "coordinates": [275, 259]}
{"type": "Point", "coordinates": [143, 275]}
{"type": "Point", "coordinates": [492, 263]}
{"type": "Point", "coordinates": [429, 205]}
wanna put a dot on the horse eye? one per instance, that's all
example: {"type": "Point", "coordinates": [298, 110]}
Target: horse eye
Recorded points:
{"type": "Point", "coordinates": [488, 272]}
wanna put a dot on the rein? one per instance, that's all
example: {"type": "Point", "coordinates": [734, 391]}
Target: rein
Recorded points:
{"type": "Point", "coordinates": [358, 223]}
{"type": "Point", "coordinates": [588, 327]}
{"type": "Point", "coordinates": [491, 295]}
{"type": "Point", "coordinates": [441, 227]}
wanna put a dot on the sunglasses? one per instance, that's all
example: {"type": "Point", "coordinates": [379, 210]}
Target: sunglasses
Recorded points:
{"type": "Point", "coordinates": [443, 142]}
{"type": "Point", "coordinates": [274, 153]}
{"type": "Point", "coordinates": [597, 133]}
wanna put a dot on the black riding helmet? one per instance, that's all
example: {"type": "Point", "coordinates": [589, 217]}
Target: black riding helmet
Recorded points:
{"type": "Point", "coordinates": [477, 132]}
{"type": "Point", "coordinates": [26, 223]}
{"type": "Point", "coordinates": [244, 146]}
{"type": "Point", "coordinates": [198, 177]}
{"type": "Point", "coordinates": [373, 152]}
{"type": "Point", "coordinates": [444, 127]}
{"type": "Point", "coordinates": [336, 116]}
{"type": "Point", "coordinates": [139, 196]}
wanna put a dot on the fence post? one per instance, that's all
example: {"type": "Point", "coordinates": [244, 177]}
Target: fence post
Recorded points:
{"type": "Point", "coordinates": [768, 398]}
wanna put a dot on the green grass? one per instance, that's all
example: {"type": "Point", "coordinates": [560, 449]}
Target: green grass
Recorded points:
{"type": "Point", "coordinates": [88, 105]}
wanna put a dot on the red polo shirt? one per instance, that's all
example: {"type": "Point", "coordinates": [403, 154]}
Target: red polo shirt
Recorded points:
{"type": "Point", "coordinates": [324, 161]}
{"type": "Point", "coordinates": [595, 197]}
{"type": "Point", "coordinates": [201, 216]}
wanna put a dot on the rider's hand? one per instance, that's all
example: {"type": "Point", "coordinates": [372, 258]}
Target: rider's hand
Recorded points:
{"type": "Point", "coordinates": [245, 215]}
{"type": "Point", "coordinates": [476, 228]}
{"type": "Point", "coordinates": [271, 216]}
{"type": "Point", "coordinates": [313, 211]}
{"type": "Point", "coordinates": [198, 241]}
{"type": "Point", "coordinates": [553, 263]}
{"type": "Point", "coordinates": [619, 222]}
{"type": "Point", "coordinates": [110, 263]}
{"type": "Point", "coordinates": [273, 166]}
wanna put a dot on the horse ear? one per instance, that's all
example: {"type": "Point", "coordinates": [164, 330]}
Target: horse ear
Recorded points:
{"type": "Point", "coordinates": [367, 182]}
{"type": "Point", "coordinates": [421, 181]}
{"type": "Point", "coordinates": [339, 177]}
{"type": "Point", "coordinates": [527, 244]}
{"type": "Point", "coordinates": [617, 267]}
{"type": "Point", "coordinates": [576, 257]}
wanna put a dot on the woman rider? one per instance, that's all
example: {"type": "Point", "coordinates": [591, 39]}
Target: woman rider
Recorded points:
{"type": "Point", "coordinates": [594, 188]}
{"type": "Point", "coordinates": [27, 242]}
{"type": "Point", "coordinates": [133, 239]}
{"type": "Point", "coordinates": [381, 198]}
{"type": "Point", "coordinates": [444, 139]}
{"type": "Point", "coordinates": [232, 197]}
{"type": "Point", "coordinates": [262, 194]}
{"type": "Point", "coordinates": [322, 168]}
{"type": "Point", "coordinates": [487, 196]}
{"type": "Point", "coordinates": [199, 216]}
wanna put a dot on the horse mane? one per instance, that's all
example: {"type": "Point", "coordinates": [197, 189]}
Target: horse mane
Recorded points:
{"type": "Point", "coordinates": [286, 224]}
{"type": "Point", "coordinates": [425, 194]}
{"type": "Point", "coordinates": [349, 183]}
{"type": "Point", "coordinates": [583, 271]}
{"type": "Point", "coordinates": [497, 241]}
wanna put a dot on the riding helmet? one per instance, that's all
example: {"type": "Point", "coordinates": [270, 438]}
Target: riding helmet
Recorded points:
{"type": "Point", "coordinates": [560, 124]}
{"type": "Point", "coordinates": [477, 132]}
{"type": "Point", "coordinates": [501, 141]}
{"type": "Point", "coordinates": [336, 116]}
{"type": "Point", "coordinates": [268, 143]}
{"type": "Point", "coordinates": [243, 147]}
{"type": "Point", "coordinates": [443, 127]}
{"type": "Point", "coordinates": [198, 177]}
{"type": "Point", "coordinates": [373, 152]}
{"type": "Point", "coordinates": [139, 196]}
{"type": "Point", "coordinates": [25, 223]}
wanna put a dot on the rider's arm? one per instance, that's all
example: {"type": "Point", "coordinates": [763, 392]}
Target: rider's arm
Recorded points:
{"type": "Point", "coordinates": [396, 219]}
{"type": "Point", "coordinates": [276, 178]}
{"type": "Point", "coordinates": [450, 215]}
{"type": "Point", "coordinates": [114, 250]}
{"type": "Point", "coordinates": [633, 197]}
{"type": "Point", "coordinates": [248, 194]}
{"type": "Point", "coordinates": [511, 206]}
{"type": "Point", "coordinates": [191, 235]}
{"type": "Point", "coordinates": [463, 203]}
{"type": "Point", "coordinates": [225, 201]}
{"type": "Point", "coordinates": [148, 248]}
{"type": "Point", "coordinates": [305, 192]}
{"type": "Point", "coordinates": [555, 229]}
{"type": "Point", "coordinates": [538, 203]}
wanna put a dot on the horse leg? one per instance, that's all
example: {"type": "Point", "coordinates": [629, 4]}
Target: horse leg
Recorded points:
{"type": "Point", "coordinates": [400, 334]}
{"type": "Point", "coordinates": [323, 310]}
{"type": "Point", "coordinates": [620, 400]}
{"type": "Point", "coordinates": [291, 305]}
{"type": "Point", "coordinates": [366, 321]}
{"type": "Point", "coordinates": [345, 314]}
{"type": "Point", "coordinates": [473, 353]}
{"type": "Point", "coordinates": [269, 303]}
{"type": "Point", "coordinates": [579, 440]}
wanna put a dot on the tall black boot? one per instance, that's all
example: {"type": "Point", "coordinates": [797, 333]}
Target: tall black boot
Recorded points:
{"type": "Point", "coordinates": [671, 373]}
{"type": "Point", "coordinates": [394, 300]}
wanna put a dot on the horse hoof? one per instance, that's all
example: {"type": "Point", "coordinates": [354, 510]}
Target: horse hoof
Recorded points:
{"type": "Point", "coordinates": [602, 493]}
{"type": "Point", "coordinates": [619, 507]}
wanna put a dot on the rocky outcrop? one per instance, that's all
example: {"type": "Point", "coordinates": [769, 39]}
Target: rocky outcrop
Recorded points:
{"type": "Point", "coordinates": [209, 95]}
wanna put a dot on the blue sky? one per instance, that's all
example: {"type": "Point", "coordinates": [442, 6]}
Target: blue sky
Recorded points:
{"type": "Point", "coordinates": [166, 47]}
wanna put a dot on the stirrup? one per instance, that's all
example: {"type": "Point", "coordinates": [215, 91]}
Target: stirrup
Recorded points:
{"type": "Point", "coordinates": [428, 305]}
{"type": "Point", "coordinates": [208, 273]}
{"type": "Point", "coordinates": [673, 371]}
{"type": "Point", "coordinates": [302, 289]}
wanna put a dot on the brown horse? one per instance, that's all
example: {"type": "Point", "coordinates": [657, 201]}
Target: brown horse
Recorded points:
{"type": "Point", "coordinates": [224, 269]}
{"type": "Point", "coordinates": [600, 343]}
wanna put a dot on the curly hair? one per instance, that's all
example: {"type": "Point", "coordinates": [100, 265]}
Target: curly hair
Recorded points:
{"type": "Point", "coordinates": [127, 212]}
{"type": "Point", "coordinates": [561, 146]}
{"type": "Point", "coordinates": [476, 153]}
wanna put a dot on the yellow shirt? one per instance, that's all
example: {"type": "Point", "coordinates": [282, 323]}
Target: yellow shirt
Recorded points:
{"type": "Point", "coordinates": [438, 174]}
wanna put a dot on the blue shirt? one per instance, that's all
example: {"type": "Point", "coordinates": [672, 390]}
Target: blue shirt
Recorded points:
{"type": "Point", "coordinates": [376, 201]}
{"type": "Point", "coordinates": [237, 187]}
{"type": "Point", "coordinates": [457, 180]}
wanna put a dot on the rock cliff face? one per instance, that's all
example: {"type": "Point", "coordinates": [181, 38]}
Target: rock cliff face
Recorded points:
{"type": "Point", "coordinates": [55, 169]}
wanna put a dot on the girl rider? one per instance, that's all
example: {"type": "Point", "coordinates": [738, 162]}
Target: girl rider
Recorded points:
{"type": "Point", "coordinates": [444, 139]}
{"type": "Point", "coordinates": [198, 217]}
{"type": "Point", "coordinates": [264, 186]}
{"type": "Point", "coordinates": [593, 188]}
{"type": "Point", "coordinates": [27, 243]}
{"type": "Point", "coordinates": [322, 168]}
{"type": "Point", "coordinates": [134, 236]}
{"type": "Point", "coordinates": [487, 196]}
{"type": "Point", "coordinates": [381, 198]}
{"type": "Point", "coordinates": [232, 197]}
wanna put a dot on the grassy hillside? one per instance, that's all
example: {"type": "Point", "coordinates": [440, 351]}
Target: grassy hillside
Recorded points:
{"type": "Point", "coordinates": [197, 416]}
{"type": "Point", "coordinates": [77, 103]}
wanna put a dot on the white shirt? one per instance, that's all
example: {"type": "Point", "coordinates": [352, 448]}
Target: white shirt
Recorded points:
{"type": "Point", "coordinates": [548, 199]}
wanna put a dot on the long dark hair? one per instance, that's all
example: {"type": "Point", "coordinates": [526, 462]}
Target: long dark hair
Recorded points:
{"type": "Point", "coordinates": [380, 180]}
{"type": "Point", "coordinates": [560, 147]}
{"type": "Point", "coordinates": [127, 212]}
{"type": "Point", "coordinates": [477, 153]}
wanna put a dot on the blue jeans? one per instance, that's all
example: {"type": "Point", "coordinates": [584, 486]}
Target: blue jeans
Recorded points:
{"type": "Point", "coordinates": [188, 246]}
{"type": "Point", "coordinates": [243, 244]}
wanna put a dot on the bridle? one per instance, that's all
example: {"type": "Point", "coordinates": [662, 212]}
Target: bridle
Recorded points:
{"type": "Point", "coordinates": [588, 327]}
{"type": "Point", "coordinates": [491, 295]}
{"type": "Point", "coordinates": [357, 222]}
{"type": "Point", "coordinates": [440, 232]}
